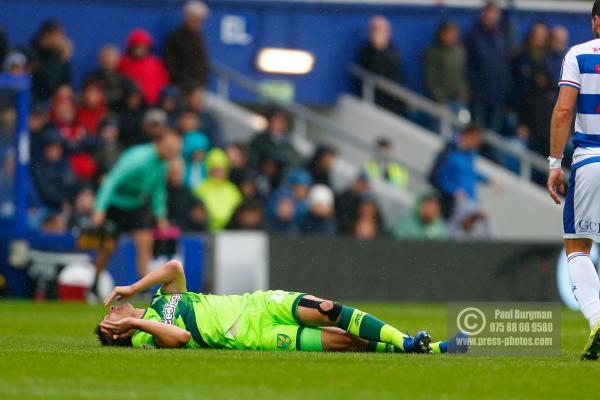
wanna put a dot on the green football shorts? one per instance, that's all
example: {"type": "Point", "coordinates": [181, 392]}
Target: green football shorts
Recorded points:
{"type": "Point", "coordinates": [270, 322]}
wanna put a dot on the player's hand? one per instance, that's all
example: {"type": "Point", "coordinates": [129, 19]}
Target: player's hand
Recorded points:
{"type": "Point", "coordinates": [98, 218]}
{"type": "Point", "coordinates": [119, 293]}
{"type": "Point", "coordinates": [118, 327]}
{"type": "Point", "coordinates": [556, 184]}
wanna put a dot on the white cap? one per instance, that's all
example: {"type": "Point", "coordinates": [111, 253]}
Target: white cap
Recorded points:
{"type": "Point", "coordinates": [195, 8]}
{"type": "Point", "coordinates": [321, 195]}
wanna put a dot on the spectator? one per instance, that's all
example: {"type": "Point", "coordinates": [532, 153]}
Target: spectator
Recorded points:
{"type": "Point", "coordinates": [249, 188]}
{"type": "Point", "coordinates": [271, 152]}
{"type": "Point", "coordinates": [51, 175]}
{"type": "Point", "coordinates": [108, 153]}
{"type": "Point", "coordinates": [249, 216]}
{"type": "Point", "coordinates": [445, 68]}
{"type": "Point", "coordinates": [64, 116]}
{"type": "Point", "coordinates": [559, 44]}
{"type": "Point", "coordinates": [238, 156]}
{"type": "Point", "coordinates": [488, 68]}
{"type": "Point", "coordinates": [320, 165]}
{"type": "Point", "coordinates": [171, 101]}
{"type": "Point", "coordinates": [154, 122]}
{"type": "Point", "coordinates": [454, 173]}
{"type": "Point", "coordinates": [131, 112]}
{"type": "Point", "coordinates": [348, 203]}
{"type": "Point", "coordinates": [184, 210]}
{"type": "Point", "coordinates": [220, 196]}
{"type": "Point", "coordinates": [366, 228]}
{"type": "Point", "coordinates": [142, 67]}
{"type": "Point", "coordinates": [384, 168]}
{"type": "Point", "coordinates": [533, 57]}
{"type": "Point", "coordinates": [133, 194]}
{"type": "Point", "coordinates": [51, 53]}
{"type": "Point", "coordinates": [424, 222]}
{"type": "Point", "coordinates": [195, 147]}
{"type": "Point", "coordinates": [83, 208]}
{"type": "Point", "coordinates": [194, 98]}
{"type": "Point", "coordinates": [93, 106]}
{"type": "Point", "coordinates": [535, 110]}
{"type": "Point", "coordinates": [15, 63]}
{"type": "Point", "coordinates": [3, 44]}
{"type": "Point", "coordinates": [114, 84]}
{"type": "Point", "coordinates": [185, 51]}
{"type": "Point", "coordinates": [320, 219]}
{"type": "Point", "coordinates": [380, 56]}
{"type": "Point", "coordinates": [188, 121]}
{"type": "Point", "coordinates": [469, 223]}
{"type": "Point", "coordinates": [288, 206]}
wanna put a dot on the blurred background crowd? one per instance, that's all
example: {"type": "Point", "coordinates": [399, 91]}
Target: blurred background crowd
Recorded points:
{"type": "Point", "coordinates": [133, 147]}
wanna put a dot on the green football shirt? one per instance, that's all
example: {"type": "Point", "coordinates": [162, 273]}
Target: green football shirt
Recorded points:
{"type": "Point", "coordinates": [207, 317]}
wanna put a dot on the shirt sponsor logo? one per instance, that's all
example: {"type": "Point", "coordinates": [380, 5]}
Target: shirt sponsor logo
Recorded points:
{"type": "Point", "coordinates": [169, 309]}
{"type": "Point", "coordinates": [589, 226]}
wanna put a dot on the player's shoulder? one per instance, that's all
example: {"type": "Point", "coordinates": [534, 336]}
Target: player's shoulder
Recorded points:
{"type": "Point", "coordinates": [589, 47]}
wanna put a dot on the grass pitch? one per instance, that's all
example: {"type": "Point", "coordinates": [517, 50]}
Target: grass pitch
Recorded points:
{"type": "Point", "coordinates": [48, 351]}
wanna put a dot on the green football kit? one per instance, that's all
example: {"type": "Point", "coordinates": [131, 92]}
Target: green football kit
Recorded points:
{"type": "Point", "coordinates": [266, 320]}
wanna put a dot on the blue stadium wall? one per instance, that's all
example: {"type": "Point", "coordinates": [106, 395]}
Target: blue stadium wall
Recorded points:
{"type": "Point", "coordinates": [331, 31]}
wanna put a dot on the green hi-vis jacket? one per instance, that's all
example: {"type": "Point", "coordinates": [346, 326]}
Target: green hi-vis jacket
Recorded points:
{"type": "Point", "coordinates": [138, 177]}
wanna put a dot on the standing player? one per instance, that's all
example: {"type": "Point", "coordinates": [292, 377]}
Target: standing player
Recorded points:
{"type": "Point", "coordinates": [580, 88]}
{"type": "Point", "coordinates": [272, 320]}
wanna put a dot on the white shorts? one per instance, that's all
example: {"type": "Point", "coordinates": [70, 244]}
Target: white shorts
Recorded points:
{"type": "Point", "coordinates": [581, 215]}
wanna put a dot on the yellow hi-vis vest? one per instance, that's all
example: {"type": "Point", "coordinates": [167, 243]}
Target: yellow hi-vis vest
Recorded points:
{"type": "Point", "coordinates": [396, 174]}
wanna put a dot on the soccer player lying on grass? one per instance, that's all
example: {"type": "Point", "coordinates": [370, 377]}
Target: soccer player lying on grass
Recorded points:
{"type": "Point", "coordinates": [271, 320]}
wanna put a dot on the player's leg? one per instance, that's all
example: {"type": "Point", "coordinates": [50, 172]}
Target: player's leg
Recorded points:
{"type": "Point", "coordinates": [313, 311]}
{"type": "Point", "coordinates": [581, 223]}
{"type": "Point", "coordinates": [144, 242]}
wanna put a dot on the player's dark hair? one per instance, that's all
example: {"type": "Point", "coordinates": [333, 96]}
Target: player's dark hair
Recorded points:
{"type": "Point", "coordinates": [106, 338]}
{"type": "Point", "coordinates": [596, 9]}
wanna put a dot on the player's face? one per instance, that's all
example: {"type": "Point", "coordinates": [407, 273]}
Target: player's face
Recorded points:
{"type": "Point", "coordinates": [119, 312]}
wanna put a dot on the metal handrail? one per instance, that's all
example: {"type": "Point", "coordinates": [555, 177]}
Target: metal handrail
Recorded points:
{"type": "Point", "coordinates": [448, 120]}
{"type": "Point", "coordinates": [302, 114]}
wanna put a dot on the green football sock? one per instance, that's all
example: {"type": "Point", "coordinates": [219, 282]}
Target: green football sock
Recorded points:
{"type": "Point", "coordinates": [366, 326]}
{"type": "Point", "coordinates": [380, 347]}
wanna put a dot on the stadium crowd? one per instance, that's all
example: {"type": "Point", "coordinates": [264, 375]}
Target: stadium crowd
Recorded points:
{"type": "Point", "coordinates": [135, 146]}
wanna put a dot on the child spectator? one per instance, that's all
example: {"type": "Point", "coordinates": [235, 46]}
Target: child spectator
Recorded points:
{"type": "Point", "coordinates": [320, 219]}
{"type": "Point", "coordinates": [220, 196]}
{"type": "Point", "coordinates": [171, 101]}
{"type": "Point", "coordinates": [106, 156]}
{"type": "Point", "coordinates": [424, 222]}
{"type": "Point", "coordinates": [184, 210]}
{"type": "Point", "coordinates": [194, 98]}
{"type": "Point", "coordinates": [114, 84]}
{"type": "Point", "coordinates": [195, 147]}
{"type": "Point", "coordinates": [92, 108]}
{"type": "Point", "coordinates": [288, 206]}
{"type": "Point", "coordinates": [83, 208]}
{"type": "Point", "coordinates": [249, 216]}
{"type": "Point", "coordinates": [188, 121]}
{"type": "Point", "coordinates": [143, 67]}
{"type": "Point", "coordinates": [51, 53]}
{"type": "Point", "coordinates": [51, 175]}
{"type": "Point", "coordinates": [238, 156]}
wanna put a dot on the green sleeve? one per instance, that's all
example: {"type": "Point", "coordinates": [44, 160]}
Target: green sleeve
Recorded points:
{"type": "Point", "coordinates": [120, 173]}
{"type": "Point", "coordinates": [159, 198]}
{"type": "Point", "coordinates": [144, 340]}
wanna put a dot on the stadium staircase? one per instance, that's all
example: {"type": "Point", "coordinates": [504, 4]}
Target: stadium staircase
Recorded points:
{"type": "Point", "coordinates": [522, 211]}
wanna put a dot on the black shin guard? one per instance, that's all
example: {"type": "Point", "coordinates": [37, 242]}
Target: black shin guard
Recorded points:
{"type": "Point", "coordinates": [332, 314]}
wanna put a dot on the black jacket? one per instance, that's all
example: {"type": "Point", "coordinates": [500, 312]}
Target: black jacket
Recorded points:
{"type": "Point", "coordinates": [49, 72]}
{"type": "Point", "coordinates": [186, 58]}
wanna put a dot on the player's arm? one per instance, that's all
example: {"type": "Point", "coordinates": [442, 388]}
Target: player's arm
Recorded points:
{"type": "Point", "coordinates": [560, 129]}
{"type": "Point", "coordinates": [165, 335]}
{"type": "Point", "coordinates": [170, 276]}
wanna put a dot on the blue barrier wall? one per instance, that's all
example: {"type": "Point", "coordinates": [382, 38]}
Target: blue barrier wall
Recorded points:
{"type": "Point", "coordinates": [331, 31]}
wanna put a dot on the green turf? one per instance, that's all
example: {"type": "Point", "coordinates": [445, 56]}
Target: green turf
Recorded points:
{"type": "Point", "coordinates": [48, 351]}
